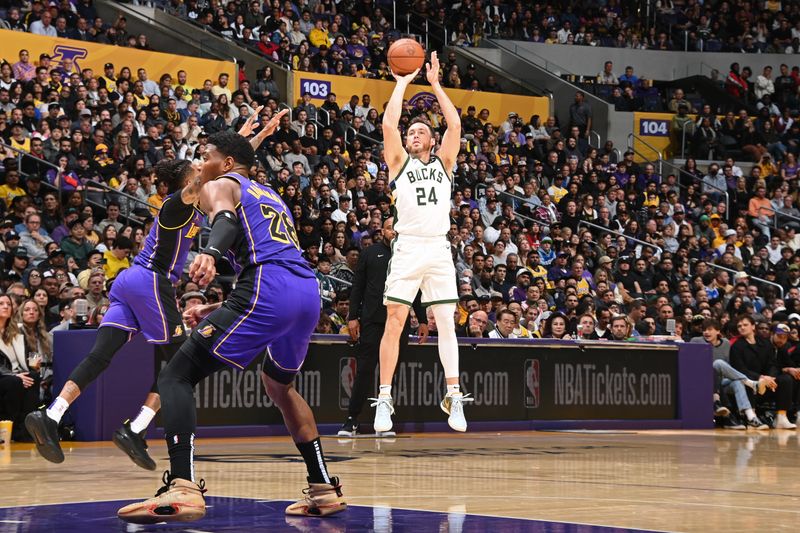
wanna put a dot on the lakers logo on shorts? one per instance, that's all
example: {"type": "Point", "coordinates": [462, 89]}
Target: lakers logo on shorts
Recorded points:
{"type": "Point", "coordinates": [206, 331]}
{"type": "Point", "coordinates": [178, 331]}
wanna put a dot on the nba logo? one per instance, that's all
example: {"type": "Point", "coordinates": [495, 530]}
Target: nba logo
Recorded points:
{"type": "Point", "coordinates": [532, 393]}
{"type": "Point", "coordinates": [347, 375]}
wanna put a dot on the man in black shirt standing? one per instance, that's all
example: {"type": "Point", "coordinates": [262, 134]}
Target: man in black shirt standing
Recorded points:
{"type": "Point", "coordinates": [367, 319]}
{"type": "Point", "coordinates": [580, 114]}
{"type": "Point", "coordinates": [784, 85]}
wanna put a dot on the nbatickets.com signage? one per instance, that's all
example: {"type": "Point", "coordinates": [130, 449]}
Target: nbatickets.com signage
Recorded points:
{"type": "Point", "coordinates": [507, 384]}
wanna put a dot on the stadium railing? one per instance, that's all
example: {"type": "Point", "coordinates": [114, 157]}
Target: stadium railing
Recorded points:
{"type": "Point", "coordinates": [620, 234]}
{"type": "Point", "coordinates": [754, 278]}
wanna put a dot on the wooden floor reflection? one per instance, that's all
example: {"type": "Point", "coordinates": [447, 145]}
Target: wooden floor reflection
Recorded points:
{"type": "Point", "coordinates": [660, 480]}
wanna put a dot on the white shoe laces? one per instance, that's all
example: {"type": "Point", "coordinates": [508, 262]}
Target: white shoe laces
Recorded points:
{"type": "Point", "coordinates": [457, 403]}
{"type": "Point", "coordinates": [386, 403]}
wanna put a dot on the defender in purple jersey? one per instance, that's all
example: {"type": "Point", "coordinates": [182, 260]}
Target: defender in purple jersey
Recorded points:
{"type": "Point", "coordinates": [273, 309]}
{"type": "Point", "coordinates": [142, 301]}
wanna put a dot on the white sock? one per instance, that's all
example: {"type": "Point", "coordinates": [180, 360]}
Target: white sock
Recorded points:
{"type": "Point", "coordinates": [453, 389]}
{"type": "Point", "coordinates": [749, 413]}
{"type": "Point", "coordinates": [143, 419]}
{"type": "Point", "coordinates": [384, 391]}
{"type": "Point", "coordinates": [57, 409]}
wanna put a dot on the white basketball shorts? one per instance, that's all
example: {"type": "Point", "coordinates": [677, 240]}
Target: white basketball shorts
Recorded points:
{"type": "Point", "coordinates": [421, 263]}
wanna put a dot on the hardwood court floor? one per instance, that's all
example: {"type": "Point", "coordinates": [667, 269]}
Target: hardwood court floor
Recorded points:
{"type": "Point", "coordinates": [658, 480]}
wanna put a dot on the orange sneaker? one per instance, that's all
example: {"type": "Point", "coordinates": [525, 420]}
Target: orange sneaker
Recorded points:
{"type": "Point", "coordinates": [179, 500]}
{"type": "Point", "coordinates": [322, 499]}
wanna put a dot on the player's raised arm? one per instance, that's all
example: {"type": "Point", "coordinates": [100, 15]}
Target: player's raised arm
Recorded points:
{"type": "Point", "coordinates": [269, 128]}
{"type": "Point", "coordinates": [393, 149]}
{"type": "Point", "coordinates": [451, 141]}
{"type": "Point", "coordinates": [218, 198]}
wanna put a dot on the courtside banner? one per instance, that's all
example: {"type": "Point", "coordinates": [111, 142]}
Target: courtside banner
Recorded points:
{"type": "Point", "coordinates": [94, 56]}
{"type": "Point", "coordinates": [499, 105]}
{"type": "Point", "coordinates": [601, 381]}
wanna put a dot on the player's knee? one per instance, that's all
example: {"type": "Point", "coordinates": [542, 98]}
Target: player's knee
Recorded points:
{"type": "Point", "coordinates": [445, 314]}
{"type": "Point", "coordinates": [168, 379]}
{"type": "Point", "coordinates": [276, 390]}
{"type": "Point", "coordinates": [165, 380]}
{"type": "Point", "coordinates": [395, 321]}
{"type": "Point", "coordinates": [98, 362]}
{"type": "Point", "coordinates": [392, 329]}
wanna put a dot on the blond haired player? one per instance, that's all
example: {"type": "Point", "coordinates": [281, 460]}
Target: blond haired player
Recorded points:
{"type": "Point", "coordinates": [422, 259]}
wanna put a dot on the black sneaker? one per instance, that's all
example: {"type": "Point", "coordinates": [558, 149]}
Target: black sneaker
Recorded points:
{"type": "Point", "coordinates": [44, 431]}
{"type": "Point", "coordinates": [729, 422]}
{"type": "Point", "coordinates": [721, 410]}
{"type": "Point", "coordinates": [756, 423]}
{"type": "Point", "coordinates": [134, 445]}
{"type": "Point", "coordinates": [349, 428]}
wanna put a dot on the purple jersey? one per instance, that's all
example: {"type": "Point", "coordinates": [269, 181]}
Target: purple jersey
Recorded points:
{"type": "Point", "coordinates": [269, 236]}
{"type": "Point", "coordinates": [167, 245]}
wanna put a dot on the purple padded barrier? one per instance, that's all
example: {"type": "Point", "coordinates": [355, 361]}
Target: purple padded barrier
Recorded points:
{"type": "Point", "coordinates": [119, 391]}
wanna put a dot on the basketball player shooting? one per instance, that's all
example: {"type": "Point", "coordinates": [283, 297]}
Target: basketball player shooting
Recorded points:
{"type": "Point", "coordinates": [421, 182]}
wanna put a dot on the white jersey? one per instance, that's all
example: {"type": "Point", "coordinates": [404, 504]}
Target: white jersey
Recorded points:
{"type": "Point", "coordinates": [422, 198]}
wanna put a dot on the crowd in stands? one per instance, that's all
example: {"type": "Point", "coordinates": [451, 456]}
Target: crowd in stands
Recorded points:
{"type": "Point", "coordinates": [326, 38]}
{"type": "Point", "coordinates": [352, 40]}
{"type": "Point", "coordinates": [707, 131]}
{"type": "Point", "coordinates": [703, 132]}
{"type": "Point", "coordinates": [757, 26]}
{"type": "Point", "coordinates": [552, 238]}
{"type": "Point", "coordinates": [77, 20]}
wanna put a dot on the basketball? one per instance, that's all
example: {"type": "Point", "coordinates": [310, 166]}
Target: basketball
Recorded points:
{"type": "Point", "coordinates": [405, 56]}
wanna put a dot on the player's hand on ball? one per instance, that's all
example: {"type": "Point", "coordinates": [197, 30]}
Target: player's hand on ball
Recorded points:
{"type": "Point", "coordinates": [407, 79]}
{"type": "Point", "coordinates": [433, 70]}
{"type": "Point", "coordinates": [203, 269]}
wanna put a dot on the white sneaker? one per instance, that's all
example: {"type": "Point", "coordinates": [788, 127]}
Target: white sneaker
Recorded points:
{"type": "Point", "coordinates": [383, 413]}
{"type": "Point", "coordinates": [781, 422]}
{"type": "Point", "coordinates": [453, 405]}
